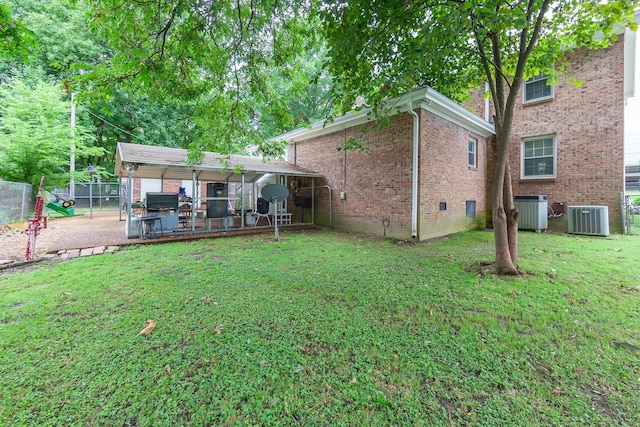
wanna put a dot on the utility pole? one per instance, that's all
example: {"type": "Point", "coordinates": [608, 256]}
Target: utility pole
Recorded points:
{"type": "Point", "coordinates": [72, 158]}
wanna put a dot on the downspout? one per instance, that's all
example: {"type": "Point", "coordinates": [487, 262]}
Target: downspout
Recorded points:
{"type": "Point", "coordinates": [414, 183]}
{"type": "Point", "coordinates": [486, 103]}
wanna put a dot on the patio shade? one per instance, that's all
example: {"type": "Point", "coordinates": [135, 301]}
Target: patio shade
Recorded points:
{"type": "Point", "coordinates": [171, 163]}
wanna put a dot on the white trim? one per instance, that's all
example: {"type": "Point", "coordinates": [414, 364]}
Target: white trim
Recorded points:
{"type": "Point", "coordinates": [425, 98]}
{"type": "Point", "coordinates": [555, 156]}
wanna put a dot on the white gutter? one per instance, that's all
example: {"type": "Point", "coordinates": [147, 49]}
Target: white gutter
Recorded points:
{"type": "Point", "coordinates": [630, 49]}
{"type": "Point", "coordinates": [414, 179]}
{"type": "Point", "coordinates": [486, 103]}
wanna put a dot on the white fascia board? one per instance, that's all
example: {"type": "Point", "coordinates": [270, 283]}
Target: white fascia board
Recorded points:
{"type": "Point", "coordinates": [326, 127]}
{"type": "Point", "coordinates": [442, 106]}
{"type": "Point", "coordinates": [426, 98]}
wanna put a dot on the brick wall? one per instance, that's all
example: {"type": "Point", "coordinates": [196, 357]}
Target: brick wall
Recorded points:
{"type": "Point", "coordinates": [378, 184]}
{"type": "Point", "coordinates": [588, 124]}
{"type": "Point", "coordinates": [445, 177]}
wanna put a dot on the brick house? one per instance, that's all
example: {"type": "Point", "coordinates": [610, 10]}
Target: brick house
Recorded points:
{"type": "Point", "coordinates": [422, 176]}
{"type": "Point", "coordinates": [567, 142]}
{"type": "Point", "coordinates": [428, 173]}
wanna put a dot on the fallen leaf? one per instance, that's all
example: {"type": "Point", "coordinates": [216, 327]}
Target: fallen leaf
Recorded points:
{"type": "Point", "coordinates": [387, 394]}
{"type": "Point", "coordinates": [273, 402]}
{"type": "Point", "coordinates": [617, 249]}
{"type": "Point", "coordinates": [556, 391]}
{"type": "Point", "coordinates": [218, 329]}
{"type": "Point", "coordinates": [148, 327]}
{"type": "Point", "coordinates": [214, 360]}
{"type": "Point", "coordinates": [208, 298]}
{"type": "Point", "coordinates": [168, 369]}
{"type": "Point", "coordinates": [329, 387]}
{"type": "Point", "coordinates": [264, 363]}
{"type": "Point", "coordinates": [626, 345]}
{"type": "Point", "coordinates": [353, 380]}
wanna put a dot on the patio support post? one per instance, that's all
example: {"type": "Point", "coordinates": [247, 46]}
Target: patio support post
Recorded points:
{"type": "Point", "coordinates": [242, 203]}
{"type": "Point", "coordinates": [129, 197]}
{"type": "Point", "coordinates": [313, 200]}
{"type": "Point", "coordinates": [194, 200]}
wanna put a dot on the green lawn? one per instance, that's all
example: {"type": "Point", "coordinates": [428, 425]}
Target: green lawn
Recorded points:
{"type": "Point", "coordinates": [323, 328]}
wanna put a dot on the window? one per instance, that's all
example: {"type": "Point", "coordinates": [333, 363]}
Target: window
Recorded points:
{"type": "Point", "coordinates": [537, 88]}
{"type": "Point", "coordinates": [472, 153]}
{"type": "Point", "coordinates": [539, 157]}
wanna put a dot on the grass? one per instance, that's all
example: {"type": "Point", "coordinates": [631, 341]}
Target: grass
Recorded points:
{"type": "Point", "coordinates": [325, 328]}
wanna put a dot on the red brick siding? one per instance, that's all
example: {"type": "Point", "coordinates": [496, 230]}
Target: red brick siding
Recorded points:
{"type": "Point", "coordinates": [378, 184]}
{"type": "Point", "coordinates": [445, 176]}
{"type": "Point", "coordinates": [588, 123]}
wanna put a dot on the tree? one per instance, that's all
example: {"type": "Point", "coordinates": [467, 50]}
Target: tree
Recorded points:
{"type": "Point", "coordinates": [388, 47]}
{"type": "Point", "coordinates": [16, 40]}
{"type": "Point", "coordinates": [63, 38]}
{"type": "Point", "coordinates": [35, 136]}
{"type": "Point", "coordinates": [66, 47]}
{"type": "Point", "coordinates": [221, 55]}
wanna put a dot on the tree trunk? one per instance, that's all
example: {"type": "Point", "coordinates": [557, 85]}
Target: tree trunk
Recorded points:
{"type": "Point", "coordinates": [512, 218]}
{"type": "Point", "coordinates": [504, 213]}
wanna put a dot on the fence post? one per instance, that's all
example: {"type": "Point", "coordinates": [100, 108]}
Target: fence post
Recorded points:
{"type": "Point", "coordinates": [23, 205]}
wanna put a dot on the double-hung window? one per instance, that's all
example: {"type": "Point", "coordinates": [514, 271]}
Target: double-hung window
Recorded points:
{"type": "Point", "coordinates": [473, 153]}
{"type": "Point", "coordinates": [539, 157]}
{"type": "Point", "coordinates": [536, 89]}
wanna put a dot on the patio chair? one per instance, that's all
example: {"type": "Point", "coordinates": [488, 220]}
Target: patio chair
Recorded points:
{"type": "Point", "coordinates": [262, 211]}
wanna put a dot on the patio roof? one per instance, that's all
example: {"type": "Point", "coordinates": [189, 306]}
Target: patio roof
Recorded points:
{"type": "Point", "coordinates": [171, 163]}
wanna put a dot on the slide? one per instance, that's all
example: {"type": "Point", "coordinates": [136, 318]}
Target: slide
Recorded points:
{"type": "Point", "coordinates": [58, 208]}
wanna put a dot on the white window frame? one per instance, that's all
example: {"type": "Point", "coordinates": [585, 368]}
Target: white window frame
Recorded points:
{"type": "Point", "coordinates": [536, 79]}
{"type": "Point", "coordinates": [523, 156]}
{"type": "Point", "coordinates": [474, 152]}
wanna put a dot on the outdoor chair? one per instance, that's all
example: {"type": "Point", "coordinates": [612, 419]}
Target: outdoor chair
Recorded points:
{"type": "Point", "coordinates": [262, 211]}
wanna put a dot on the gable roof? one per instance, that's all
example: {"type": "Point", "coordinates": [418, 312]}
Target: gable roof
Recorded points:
{"type": "Point", "coordinates": [426, 98]}
{"type": "Point", "coordinates": [150, 161]}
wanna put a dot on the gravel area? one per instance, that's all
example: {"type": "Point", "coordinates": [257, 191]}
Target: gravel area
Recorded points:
{"type": "Point", "coordinates": [75, 232]}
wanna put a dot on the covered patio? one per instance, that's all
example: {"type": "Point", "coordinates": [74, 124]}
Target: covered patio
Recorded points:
{"type": "Point", "coordinates": [224, 193]}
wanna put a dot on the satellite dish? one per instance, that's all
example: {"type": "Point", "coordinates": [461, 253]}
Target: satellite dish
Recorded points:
{"type": "Point", "coordinates": [275, 193]}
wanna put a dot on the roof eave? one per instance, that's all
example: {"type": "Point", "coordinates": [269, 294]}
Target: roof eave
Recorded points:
{"type": "Point", "coordinates": [426, 98]}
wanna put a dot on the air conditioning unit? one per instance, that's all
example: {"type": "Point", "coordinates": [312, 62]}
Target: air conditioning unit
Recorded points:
{"type": "Point", "coordinates": [589, 220]}
{"type": "Point", "coordinates": [533, 212]}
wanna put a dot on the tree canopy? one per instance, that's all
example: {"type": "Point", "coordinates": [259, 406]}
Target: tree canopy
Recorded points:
{"type": "Point", "coordinates": [35, 135]}
{"type": "Point", "coordinates": [228, 56]}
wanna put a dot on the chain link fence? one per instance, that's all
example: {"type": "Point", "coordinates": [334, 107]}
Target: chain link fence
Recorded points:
{"type": "Point", "coordinates": [100, 195]}
{"type": "Point", "coordinates": [16, 201]}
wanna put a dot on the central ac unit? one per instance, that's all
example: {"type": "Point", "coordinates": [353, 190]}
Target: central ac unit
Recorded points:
{"type": "Point", "coordinates": [533, 212]}
{"type": "Point", "coordinates": [589, 220]}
